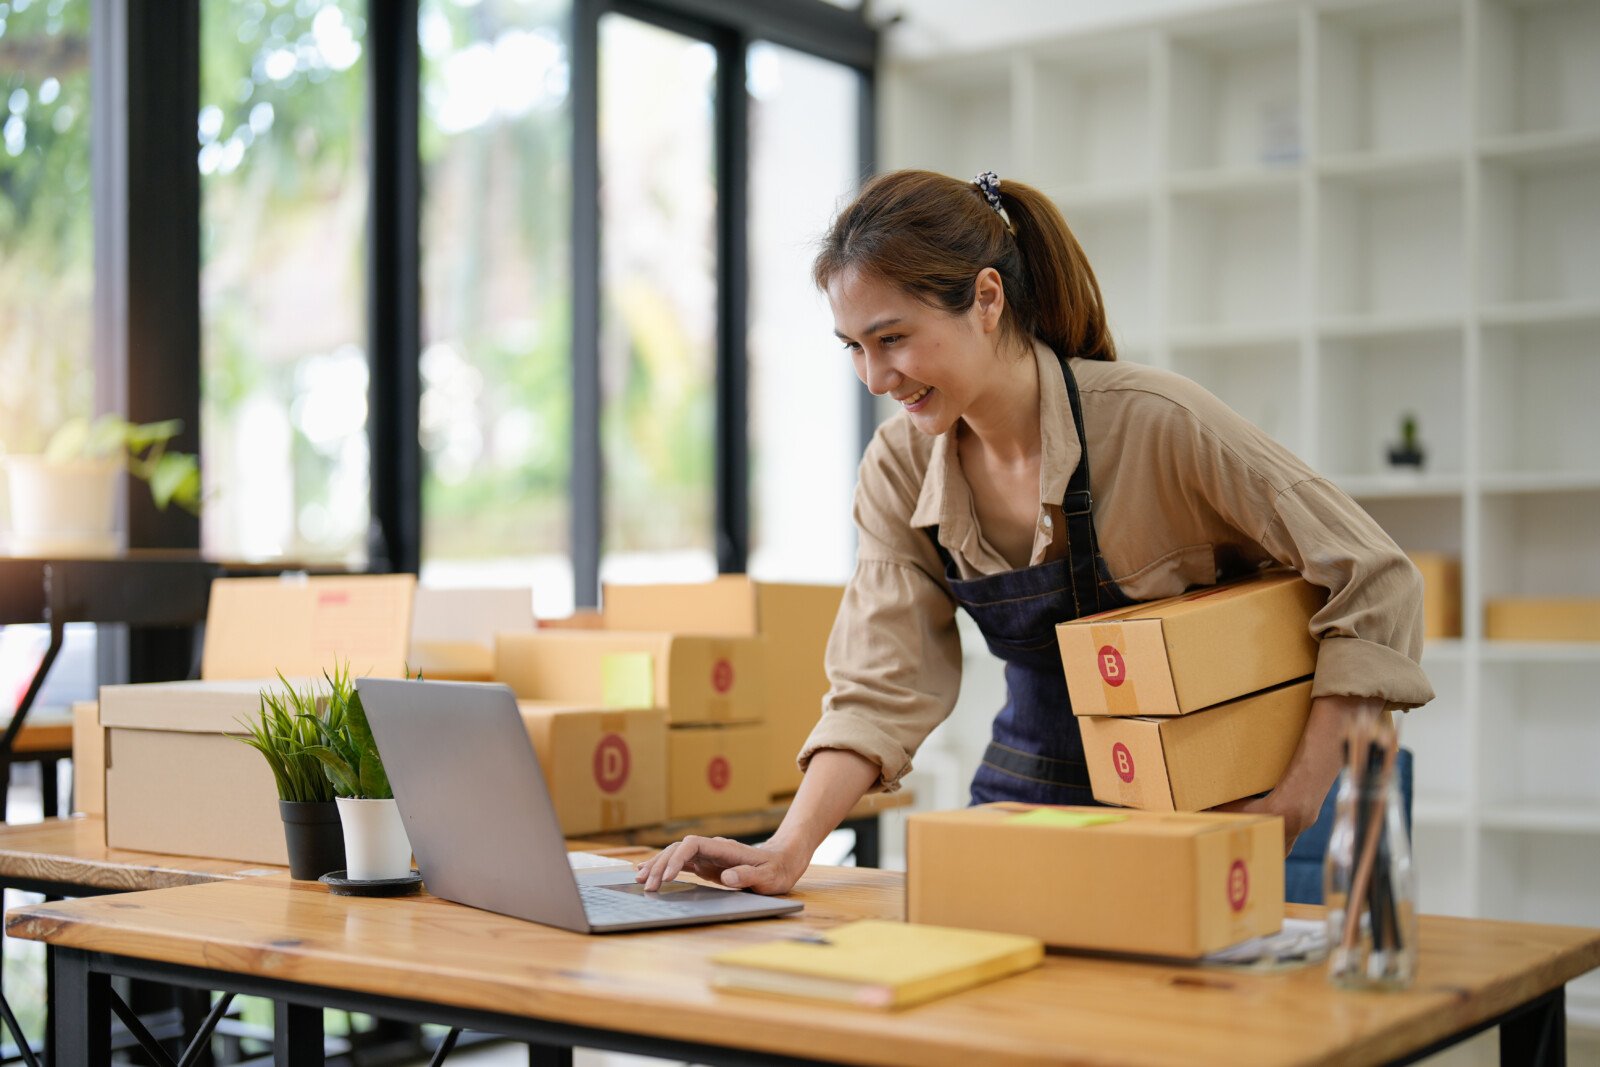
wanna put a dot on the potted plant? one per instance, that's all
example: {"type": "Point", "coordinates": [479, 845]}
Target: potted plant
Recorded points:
{"type": "Point", "coordinates": [64, 499]}
{"type": "Point", "coordinates": [285, 734]}
{"type": "Point", "coordinates": [375, 843]}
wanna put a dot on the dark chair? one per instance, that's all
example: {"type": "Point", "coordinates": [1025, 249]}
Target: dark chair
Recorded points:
{"type": "Point", "coordinates": [1302, 871]}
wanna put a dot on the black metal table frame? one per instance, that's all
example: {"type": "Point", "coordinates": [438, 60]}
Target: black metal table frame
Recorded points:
{"type": "Point", "coordinates": [1532, 1034]}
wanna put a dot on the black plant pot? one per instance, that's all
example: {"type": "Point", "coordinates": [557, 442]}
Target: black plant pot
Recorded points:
{"type": "Point", "coordinates": [314, 836]}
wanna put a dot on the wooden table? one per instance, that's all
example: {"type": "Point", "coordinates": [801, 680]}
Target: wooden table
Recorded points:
{"type": "Point", "coordinates": [429, 960]}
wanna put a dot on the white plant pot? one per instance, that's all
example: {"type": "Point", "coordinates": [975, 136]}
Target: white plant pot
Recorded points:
{"type": "Point", "coordinates": [67, 507]}
{"type": "Point", "coordinates": [375, 842]}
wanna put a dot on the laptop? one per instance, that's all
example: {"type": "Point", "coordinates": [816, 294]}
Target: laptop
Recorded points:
{"type": "Point", "coordinates": [484, 829]}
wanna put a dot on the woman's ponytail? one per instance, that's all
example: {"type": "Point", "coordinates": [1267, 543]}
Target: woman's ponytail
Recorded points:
{"type": "Point", "coordinates": [930, 235]}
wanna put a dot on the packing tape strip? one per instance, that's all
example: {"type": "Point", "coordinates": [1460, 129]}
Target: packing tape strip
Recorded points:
{"type": "Point", "coordinates": [1110, 649]}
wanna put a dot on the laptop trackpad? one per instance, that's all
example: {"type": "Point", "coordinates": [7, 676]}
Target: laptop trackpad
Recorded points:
{"type": "Point", "coordinates": [679, 892]}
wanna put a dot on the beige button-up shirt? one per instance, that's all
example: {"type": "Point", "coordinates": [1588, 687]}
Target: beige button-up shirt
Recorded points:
{"type": "Point", "coordinates": [1184, 490]}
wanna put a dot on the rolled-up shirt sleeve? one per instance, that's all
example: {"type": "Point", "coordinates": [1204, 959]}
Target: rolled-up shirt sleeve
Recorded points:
{"type": "Point", "coordinates": [1370, 630]}
{"type": "Point", "coordinates": [894, 655]}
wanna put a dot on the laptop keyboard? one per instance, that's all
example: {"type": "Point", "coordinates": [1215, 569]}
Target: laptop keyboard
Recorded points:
{"type": "Point", "coordinates": [607, 906]}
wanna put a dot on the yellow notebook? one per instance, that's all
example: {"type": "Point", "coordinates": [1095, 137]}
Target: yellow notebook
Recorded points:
{"type": "Point", "coordinates": [876, 964]}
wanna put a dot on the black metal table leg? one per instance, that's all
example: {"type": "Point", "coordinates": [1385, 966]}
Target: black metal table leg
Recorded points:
{"type": "Point", "coordinates": [49, 785]}
{"type": "Point", "coordinates": [9, 739]}
{"type": "Point", "coordinates": [296, 1035]}
{"type": "Point", "coordinates": [549, 1056]}
{"type": "Point", "coordinates": [1538, 1036]}
{"type": "Point", "coordinates": [867, 840]}
{"type": "Point", "coordinates": [82, 1035]}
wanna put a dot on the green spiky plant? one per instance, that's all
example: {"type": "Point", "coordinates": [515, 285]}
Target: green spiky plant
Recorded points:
{"type": "Point", "coordinates": [345, 747]}
{"type": "Point", "coordinates": [289, 727]}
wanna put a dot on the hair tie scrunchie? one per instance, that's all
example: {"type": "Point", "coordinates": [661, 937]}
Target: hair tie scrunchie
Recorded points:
{"type": "Point", "coordinates": [988, 184]}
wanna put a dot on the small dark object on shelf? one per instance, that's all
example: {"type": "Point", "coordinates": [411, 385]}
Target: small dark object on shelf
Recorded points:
{"type": "Point", "coordinates": [1409, 452]}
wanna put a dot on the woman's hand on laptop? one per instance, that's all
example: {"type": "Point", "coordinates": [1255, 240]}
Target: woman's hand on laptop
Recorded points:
{"type": "Point", "coordinates": [762, 868]}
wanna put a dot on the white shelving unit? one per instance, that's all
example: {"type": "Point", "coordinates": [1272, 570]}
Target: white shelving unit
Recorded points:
{"type": "Point", "coordinates": [1332, 213]}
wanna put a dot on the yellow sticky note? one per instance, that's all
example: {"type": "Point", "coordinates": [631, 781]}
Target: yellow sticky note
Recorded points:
{"type": "Point", "coordinates": [628, 680]}
{"type": "Point", "coordinates": [1069, 819]}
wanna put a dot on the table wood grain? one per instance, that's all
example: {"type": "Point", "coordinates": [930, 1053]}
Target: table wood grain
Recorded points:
{"type": "Point", "coordinates": [1071, 1010]}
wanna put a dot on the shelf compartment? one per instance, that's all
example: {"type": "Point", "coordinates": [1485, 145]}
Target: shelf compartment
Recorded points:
{"type": "Point", "coordinates": [1391, 77]}
{"type": "Point", "coordinates": [957, 120]}
{"type": "Point", "coordinates": [1235, 262]}
{"type": "Point", "coordinates": [1424, 525]}
{"type": "Point", "coordinates": [1541, 231]}
{"type": "Point", "coordinates": [1235, 92]}
{"type": "Point", "coordinates": [1436, 736]}
{"type": "Point", "coordinates": [1541, 739]}
{"type": "Point", "coordinates": [1091, 114]}
{"type": "Point", "coordinates": [1261, 382]}
{"type": "Point", "coordinates": [1538, 429]}
{"type": "Point", "coordinates": [1540, 545]}
{"type": "Point", "coordinates": [1540, 66]}
{"type": "Point", "coordinates": [1366, 389]}
{"type": "Point", "coordinates": [1118, 246]}
{"type": "Point", "coordinates": [1439, 851]}
{"type": "Point", "coordinates": [1392, 244]}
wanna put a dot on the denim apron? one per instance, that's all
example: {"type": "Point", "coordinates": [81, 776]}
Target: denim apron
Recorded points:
{"type": "Point", "coordinates": [1036, 753]}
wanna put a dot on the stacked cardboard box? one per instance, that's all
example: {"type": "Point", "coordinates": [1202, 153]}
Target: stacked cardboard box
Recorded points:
{"type": "Point", "coordinates": [606, 768]}
{"type": "Point", "coordinates": [793, 622]}
{"type": "Point", "coordinates": [1160, 884]}
{"type": "Point", "coordinates": [1197, 700]}
{"type": "Point", "coordinates": [709, 690]}
{"type": "Point", "coordinates": [173, 776]}
{"type": "Point", "coordinates": [1441, 594]}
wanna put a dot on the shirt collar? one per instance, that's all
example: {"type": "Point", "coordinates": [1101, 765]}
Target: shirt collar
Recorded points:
{"type": "Point", "coordinates": [945, 495]}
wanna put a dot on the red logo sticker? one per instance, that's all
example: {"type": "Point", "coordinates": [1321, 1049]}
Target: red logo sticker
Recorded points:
{"type": "Point", "coordinates": [611, 763]}
{"type": "Point", "coordinates": [718, 772]}
{"type": "Point", "coordinates": [722, 676]}
{"type": "Point", "coordinates": [1238, 885]}
{"type": "Point", "coordinates": [1122, 760]}
{"type": "Point", "coordinates": [1112, 669]}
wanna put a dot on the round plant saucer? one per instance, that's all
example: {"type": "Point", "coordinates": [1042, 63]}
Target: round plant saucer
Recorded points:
{"type": "Point", "coordinates": [341, 886]}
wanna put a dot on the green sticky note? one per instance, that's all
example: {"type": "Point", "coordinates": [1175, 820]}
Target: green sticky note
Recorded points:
{"type": "Point", "coordinates": [628, 680]}
{"type": "Point", "coordinates": [1069, 819]}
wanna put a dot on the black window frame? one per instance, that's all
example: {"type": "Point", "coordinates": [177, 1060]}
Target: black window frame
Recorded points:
{"type": "Point", "coordinates": [145, 74]}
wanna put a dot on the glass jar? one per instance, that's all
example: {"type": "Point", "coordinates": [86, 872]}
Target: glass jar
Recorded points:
{"type": "Point", "coordinates": [1369, 884]}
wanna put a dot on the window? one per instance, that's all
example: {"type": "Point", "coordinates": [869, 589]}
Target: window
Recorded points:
{"type": "Point", "coordinates": [658, 232]}
{"type": "Point", "coordinates": [804, 395]}
{"type": "Point", "coordinates": [496, 366]}
{"type": "Point", "coordinates": [281, 149]}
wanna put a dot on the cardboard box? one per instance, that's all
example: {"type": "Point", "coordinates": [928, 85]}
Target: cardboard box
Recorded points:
{"type": "Point", "coordinates": [88, 759]}
{"type": "Point", "coordinates": [1193, 762]}
{"type": "Point", "coordinates": [694, 679]}
{"type": "Point", "coordinates": [453, 630]}
{"type": "Point", "coordinates": [716, 770]}
{"type": "Point", "coordinates": [1441, 593]}
{"type": "Point", "coordinates": [1161, 884]}
{"type": "Point", "coordinates": [606, 769]}
{"type": "Point", "coordinates": [795, 621]}
{"type": "Point", "coordinates": [582, 619]}
{"type": "Point", "coordinates": [178, 781]}
{"type": "Point", "coordinates": [257, 627]}
{"type": "Point", "coordinates": [1176, 656]}
{"type": "Point", "coordinates": [1528, 619]}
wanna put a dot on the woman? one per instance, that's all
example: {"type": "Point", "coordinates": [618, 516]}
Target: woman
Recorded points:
{"type": "Point", "coordinates": [973, 307]}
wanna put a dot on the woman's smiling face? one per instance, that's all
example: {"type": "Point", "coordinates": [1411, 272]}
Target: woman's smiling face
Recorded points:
{"type": "Point", "coordinates": [933, 363]}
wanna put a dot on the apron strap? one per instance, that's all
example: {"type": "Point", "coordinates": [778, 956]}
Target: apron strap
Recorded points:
{"type": "Point", "coordinates": [1076, 505]}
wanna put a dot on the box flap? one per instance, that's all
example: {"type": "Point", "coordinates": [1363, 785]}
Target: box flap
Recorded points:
{"type": "Point", "coordinates": [189, 707]}
{"type": "Point", "coordinates": [726, 605]}
{"type": "Point", "coordinates": [256, 627]}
